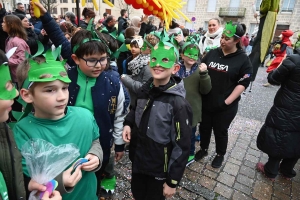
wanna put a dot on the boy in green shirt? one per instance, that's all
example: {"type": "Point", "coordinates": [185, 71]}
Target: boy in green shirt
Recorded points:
{"type": "Point", "coordinates": [45, 87]}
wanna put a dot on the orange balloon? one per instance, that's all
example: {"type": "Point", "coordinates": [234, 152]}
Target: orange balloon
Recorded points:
{"type": "Point", "coordinates": [139, 1]}
{"type": "Point", "coordinates": [155, 12]}
{"type": "Point", "coordinates": [150, 8]}
{"type": "Point", "coordinates": [145, 5]}
{"type": "Point", "coordinates": [160, 14]}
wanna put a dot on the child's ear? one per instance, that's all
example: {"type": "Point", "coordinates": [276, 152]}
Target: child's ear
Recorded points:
{"type": "Point", "coordinates": [176, 68]}
{"type": "Point", "coordinates": [75, 58]}
{"type": "Point", "coordinates": [26, 95]}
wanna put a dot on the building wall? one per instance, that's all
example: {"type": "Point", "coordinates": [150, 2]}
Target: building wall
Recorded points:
{"type": "Point", "coordinates": [202, 15]}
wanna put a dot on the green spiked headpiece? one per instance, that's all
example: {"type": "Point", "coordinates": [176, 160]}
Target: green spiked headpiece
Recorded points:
{"type": "Point", "coordinates": [164, 54]}
{"type": "Point", "coordinates": [230, 30]}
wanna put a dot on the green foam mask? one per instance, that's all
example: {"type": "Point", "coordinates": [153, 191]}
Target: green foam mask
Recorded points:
{"type": "Point", "coordinates": [163, 56]}
{"type": "Point", "coordinates": [6, 93]}
{"type": "Point", "coordinates": [192, 52]}
{"type": "Point", "coordinates": [230, 30]}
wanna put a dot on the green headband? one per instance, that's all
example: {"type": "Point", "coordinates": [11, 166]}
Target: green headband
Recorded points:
{"type": "Point", "coordinates": [5, 78]}
{"type": "Point", "coordinates": [162, 56]}
{"type": "Point", "coordinates": [230, 30]}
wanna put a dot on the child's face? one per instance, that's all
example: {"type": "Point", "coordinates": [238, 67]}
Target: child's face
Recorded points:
{"type": "Point", "coordinates": [5, 108]}
{"type": "Point", "coordinates": [49, 99]}
{"type": "Point", "coordinates": [161, 76]}
{"type": "Point", "coordinates": [91, 65]}
{"type": "Point", "coordinates": [188, 60]}
{"type": "Point", "coordinates": [135, 51]}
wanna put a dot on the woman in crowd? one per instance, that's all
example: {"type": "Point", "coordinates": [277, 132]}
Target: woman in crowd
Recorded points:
{"type": "Point", "coordinates": [70, 17]}
{"type": "Point", "coordinates": [212, 38]}
{"type": "Point", "coordinates": [279, 137]}
{"type": "Point", "coordinates": [230, 69]}
{"type": "Point", "coordinates": [88, 14]}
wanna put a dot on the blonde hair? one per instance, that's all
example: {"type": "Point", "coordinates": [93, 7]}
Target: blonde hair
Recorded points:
{"type": "Point", "coordinates": [153, 40]}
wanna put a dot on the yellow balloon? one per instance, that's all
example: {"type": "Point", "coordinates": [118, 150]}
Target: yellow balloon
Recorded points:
{"type": "Point", "coordinates": [36, 10]}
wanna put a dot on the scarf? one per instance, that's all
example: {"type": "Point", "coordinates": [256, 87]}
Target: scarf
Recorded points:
{"type": "Point", "coordinates": [209, 42]}
{"type": "Point", "coordinates": [183, 73]}
{"type": "Point", "coordinates": [136, 64]}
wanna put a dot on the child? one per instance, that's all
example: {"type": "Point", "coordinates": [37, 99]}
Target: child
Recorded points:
{"type": "Point", "coordinates": [95, 86]}
{"type": "Point", "coordinates": [45, 87]}
{"type": "Point", "coordinates": [161, 121]}
{"type": "Point", "coordinates": [11, 176]}
{"type": "Point", "coordinates": [196, 82]}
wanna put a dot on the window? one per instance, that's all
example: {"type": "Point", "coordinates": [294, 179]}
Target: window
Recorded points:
{"type": "Point", "coordinates": [191, 7]}
{"type": "Point", "coordinates": [234, 3]}
{"type": "Point", "coordinates": [288, 5]}
{"type": "Point", "coordinates": [63, 11]}
{"type": "Point", "coordinates": [257, 4]}
{"type": "Point", "coordinates": [253, 27]}
{"type": "Point", "coordinates": [63, 1]}
{"type": "Point", "coordinates": [205, 27]}
{"type": "Point", "coordinates": [111, 1]}
{"type": "Point", "coordinates": [211, 7]}
{"type": "Point", "coordinates": [54, 10]}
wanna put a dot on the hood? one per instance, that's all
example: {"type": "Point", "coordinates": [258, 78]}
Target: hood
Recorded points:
{"type": "Point", "coordinates": [177, 88]}
{"type": "Point", "coordinates": [238, 52]}
{"type": "Point", "coordinates": [287, 33]}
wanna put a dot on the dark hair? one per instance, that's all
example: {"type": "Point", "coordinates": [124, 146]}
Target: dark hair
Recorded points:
{"type": "Point", "coordinates": [88, 48]}
{"type": "Point", "coordinates": [18, 4]}
{"type": "Point", "coordinates": [104, 14]}
{"type": "Point", "coordinates": [109, 18]}
{"type": "Point", "coordinates": [21, 16]}
{"type": "Point", "coordinates": [185, 32]}
{"type": "Point", "coordinates": [173, 24]}
{"type": "Point", "coordinates": [123, 11]}
{"type": "Point", "coordinates": [240, 31]}
{"type": "Point", "coordinates": [67, 27]}
{"type": "Point", "coordinates": [3, 57]}
{"type": "Point", "coordinates": [71, 15]}
{"type": "Point", "coordinates": [129, 32]}
{"type": "Point", "coordinates": [15, 27]}
{"type": "Point", "coordinates": [88, 13]}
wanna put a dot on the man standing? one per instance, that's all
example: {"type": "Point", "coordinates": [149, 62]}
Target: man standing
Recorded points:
{"type": "Point", "coordinates": [110, 23]}
{"type": "Point", "coordinates": [122, 21]}
{"type": "Point", "coordinates": [20, 9]}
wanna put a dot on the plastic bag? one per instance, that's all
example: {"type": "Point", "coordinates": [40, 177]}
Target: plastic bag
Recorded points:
{"type": "Point", "coordinates": [45, 161]}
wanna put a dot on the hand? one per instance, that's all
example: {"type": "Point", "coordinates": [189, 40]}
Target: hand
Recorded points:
{"type": "Point", "coordinates": [255, 15]}
{"type": "Point", "coordinates": [70, 180]}
{"type": "Point", "coordinates": [43, 32]}
{"type": "Point", "coordinates": [144, 18]}
{"type": "Point", "coordinates": [202, 67]}
{"type": "Point", "coordinates": [118, 155]}
{"type": "Point", "coordinates": [92, 164]}
{"type": "Point", "coordinates": [179, 38]}
{"type": "Point", "coordinates": [40, 6]}
{"type": "Point", "coordinates": [227, 102]}
{"type": "Point", "coordinates": [54, 196]}
{"type": "Point", "coordinates": [36, 186]}
{"type": "Point", "coordinates": [126, 133]}
{"type": "Point", "coordinates": [168, 192]}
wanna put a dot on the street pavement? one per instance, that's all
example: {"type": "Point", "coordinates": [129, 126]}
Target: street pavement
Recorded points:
{"type": "Point", "coordinates": [237, 178]}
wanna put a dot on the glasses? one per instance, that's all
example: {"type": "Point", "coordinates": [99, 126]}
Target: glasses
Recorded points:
{"type": "Point", "coordinates": [93, 62]}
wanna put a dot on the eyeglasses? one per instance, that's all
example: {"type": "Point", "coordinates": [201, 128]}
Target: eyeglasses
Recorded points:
{"type": "Point", "coordinates": [93, 62]}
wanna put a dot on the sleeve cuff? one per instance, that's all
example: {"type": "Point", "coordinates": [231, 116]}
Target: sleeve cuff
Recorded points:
{"type": "Point", "coordinates": [127, 123]}
{"type": "Point", "coordinates": [203, 73]}
{"type": "Point", "coordinates": [60, 187]}
{"type": "Point", "coordinates": [119, 148]}
{"type": "Point", "coordinates": [171, 183]}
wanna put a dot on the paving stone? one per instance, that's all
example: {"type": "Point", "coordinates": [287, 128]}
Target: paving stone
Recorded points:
{"type": "Point", "coordinates": [223, 190]}
{"type": "Point", "coordinates": [297, 177]}
{"type": "Point", "coordinates": [251, 158]}
{"type": "Point", "coordinates": [261, 177]}
{"type": "Point", "coordinates": [280, 195]}
{"type": "Point", "coordinates": [240, 196]}
{"type": "Point", "coordinates": [196, 166]}
{"type": "Point", "coordinates": [226, 179]}
{"type": "Point", "coordinates": [234, 161]}
{"type": "Point", "coordinates": [283, 188]}
{"type": "Point", "coordinates": [262, 191]}
{"type": "Point", "coordinates": [240, 150]}
{"type": "Point", "coordinates": [245, 142]}
{"type": "Point", "coordinates": [210, 174]}
{"type": "Point", "coordinates": [254, 152]}
{"type": "Point", "coordinates": [185, 194]}
{"type": "Point", "coordinates": [245, 180]}
{"type": "Point", "coordinates": [231, 168]}
{"type": "Point", "coordinates": [250, 164]}
{"type": "Point", "coordinates": [295, 190]}
{"type": "Point", "coordinates": [241, 145]}
{"type": "Point", "coordinates": [207, 182]}
{"type": "Point", "coordinates": [247, 171]}
{"type": "Point", "coordinates": [242, 188]}
{"type": "Point", "coordinates": [237, 155]}
{"type": "Point", "coordinates": [209, 167]}
{"type": "Point", "coordinates": [191, 175]}
{"type": "Point", "coordinates": [197, 189]}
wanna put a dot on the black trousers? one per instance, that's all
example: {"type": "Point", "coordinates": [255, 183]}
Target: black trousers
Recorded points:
{"type": "Point", "coordinates": [286, 167]}
{"type": "Point", "coordinates": [100, 176]}
{"type": "Point", "coordinates": [219, 122]}
{"type": "Point", "coordinates": [145, 187]}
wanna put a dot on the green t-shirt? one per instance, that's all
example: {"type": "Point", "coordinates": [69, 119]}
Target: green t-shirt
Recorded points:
{"type": "Point", "coordinates": [3, 189]}
{"type": "Point", "coordinates": [84, 97]}
{"type": "Point", "coordinates": [79, 127]}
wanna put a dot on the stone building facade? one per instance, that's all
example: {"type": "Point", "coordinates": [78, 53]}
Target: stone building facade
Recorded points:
{"type": "Point", "coordinates": [241, 11]}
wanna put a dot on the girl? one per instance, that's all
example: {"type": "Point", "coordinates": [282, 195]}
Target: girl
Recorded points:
{"type": "Point", "coordinates": [230, 69]}
{"type": "Point", "coordinates": [17, 38]}
{"type": "Point", "coordinates": [88, 15]}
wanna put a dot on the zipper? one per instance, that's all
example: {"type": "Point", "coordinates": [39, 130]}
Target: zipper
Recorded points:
{"type": "Point", "coordinates": [166, 159]}
{"type": "Point", "coordinates": [146, 104]}
{"type": "Point", "coordinates": [178, 131]}
{"type": "Point", "coordinates": [86, 84]}
{"type": "Point", "coordinates": [11, 158]}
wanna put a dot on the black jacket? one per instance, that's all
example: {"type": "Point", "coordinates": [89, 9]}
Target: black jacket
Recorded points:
{"type": "Point", "coordinates": [226, 72]}
{"type": "Point", "coordinates": [161, 124]}
{"type": "Point", "coordinates": [33, 38]}
{"type": "Point", "coordinates": [280, 135]}
{"type": "Point", "coordinates": [3, 35]}
{"type": "Point", "coordinates": [122, 25]}
{"type": "Point", "coordinates": [17, 11]}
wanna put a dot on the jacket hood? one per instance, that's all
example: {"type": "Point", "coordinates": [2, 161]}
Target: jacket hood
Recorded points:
{"type": "Point", "coordinates": [238, 52]}
{"type": "Point", "coordinates": [177, 88]}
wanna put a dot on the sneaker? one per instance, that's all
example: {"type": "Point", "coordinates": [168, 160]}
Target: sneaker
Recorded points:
{"type": "Point", "coordinates": [287, 177]}
{"type": "Point", "coordinates": [200, 154]}
{"type": "Point", "coordinates": [261, 168]}
{"type": "Point", "coordinates": [190, 160]}
{"type": "Point", "coordinates": [266, 84]}
{"type": "Point", "coordinates": [217, 162]}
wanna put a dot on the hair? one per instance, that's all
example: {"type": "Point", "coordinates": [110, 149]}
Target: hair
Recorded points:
{"type": "Point", "coordinates": [3, 57]}
{"type": "Point", "coordinates": [71, 15]}
{"type": "Point", "coordinates": [240, 31]}
{"type": "Point", "coordinates": [105, 14]}
{"type": "Point", "coordinates": [152, 39]}
{"type": "Point", "coordinates": [67, 27]}
{"type": "Point", "coordinates": [151, 19]}
{"type": "Point", "coordinates": [173, 24]}
{"type": "Point", "coordinates": [88, 48]}
{"type": "Point", "coordinates": [18, 4]}
{"type": "Point", "coordinates": [88, 13]}
{"type": "Point", "coordinates": [129, 32]}
{"type": "Point", "coordinates": [15, 27]}
{"type": "Point", "coordinates": [185, 32]}
{"type": "Point", "coordinates": [122, 12]}
{"type": "Point", "coordinates": [134, 44]}
{"type": "Point", "coordinates": [109, 18]}
{"type": "Point", "coordinates": [21, 16]}
{"type": "Point", "coordinates": [217, 19]}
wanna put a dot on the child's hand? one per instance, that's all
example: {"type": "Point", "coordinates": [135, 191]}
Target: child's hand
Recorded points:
{"type": "Point", "coordinates": [92, 164]}
{"type": "Point", "coordinates": [54, 196]}
{"type": "Point", "coordinates": [36, 186]}
{"type": "Point", "coordinates": [168, 192]}
{"type": "Point", "coordinates": [202, 67]}
{"type": "Point", "coordinates": [69, 179]}
{"type": "Point", "coordinates": [118, 155]}
{"type": "Point", "coordinates": [126, 133]}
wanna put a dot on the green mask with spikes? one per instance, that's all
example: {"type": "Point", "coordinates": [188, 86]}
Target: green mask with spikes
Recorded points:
{"type": "Point", "coordinates": [230, 29]}
{"type": "Point", "coordinates": [6, 91]}
{"type": "Point", "coordinates": [192, 52]}
{"type": "Point", "coordinates": [164, 55]}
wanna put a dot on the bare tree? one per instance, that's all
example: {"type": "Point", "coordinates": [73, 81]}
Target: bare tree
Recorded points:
{"type": "Point", "coordinates": [122, 5]}
{"type": "Point", "coordinates": [49, 4]}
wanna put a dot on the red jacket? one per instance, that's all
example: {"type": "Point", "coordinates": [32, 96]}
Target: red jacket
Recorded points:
{"type": "Point", "coordinates": [245, 41]}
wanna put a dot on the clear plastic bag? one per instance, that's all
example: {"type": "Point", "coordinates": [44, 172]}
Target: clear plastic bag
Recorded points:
{"type": "Point", "coordinates": [45, 161]}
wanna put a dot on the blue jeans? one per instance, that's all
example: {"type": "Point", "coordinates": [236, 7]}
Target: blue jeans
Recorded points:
{"type": "Point", "coordinates": [193, 140]}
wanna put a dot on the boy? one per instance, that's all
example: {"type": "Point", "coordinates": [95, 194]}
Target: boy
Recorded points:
{"type": "Point", "coordinates": [161, 122]}
{"type": "Point", "coordinates": [45, 87]}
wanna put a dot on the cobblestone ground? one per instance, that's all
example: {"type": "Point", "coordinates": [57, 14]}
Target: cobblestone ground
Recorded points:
{"type": "Point", "coordinates": [237, 178]}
